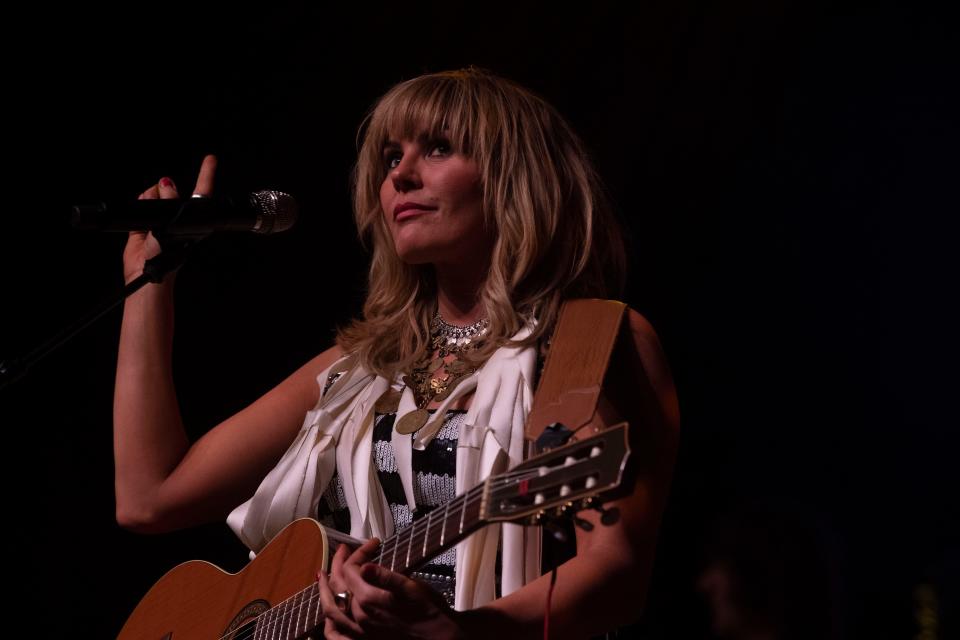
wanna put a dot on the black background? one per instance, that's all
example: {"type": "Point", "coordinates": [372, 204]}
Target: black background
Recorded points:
{"type": "Point", "coordinates": [787, 172]}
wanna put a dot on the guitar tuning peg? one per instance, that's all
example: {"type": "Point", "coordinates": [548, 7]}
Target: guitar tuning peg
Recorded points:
{"type": "Point", "coordinates": [607, 516]}
{"type": "Point", "coordinates": [583, 524]}
{"type": "Point", "coordinates": [556, 530]}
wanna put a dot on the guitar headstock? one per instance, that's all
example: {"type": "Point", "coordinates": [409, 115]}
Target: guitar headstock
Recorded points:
{"type": "Point", "coordinates": [558, 481]}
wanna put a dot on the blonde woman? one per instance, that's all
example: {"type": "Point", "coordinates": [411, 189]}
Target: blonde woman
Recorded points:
{"type": "Point", "coordinates": [483, 213]}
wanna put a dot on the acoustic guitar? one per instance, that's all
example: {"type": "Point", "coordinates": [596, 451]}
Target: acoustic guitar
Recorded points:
{"type": "Point", "coordinates": [276, 596]}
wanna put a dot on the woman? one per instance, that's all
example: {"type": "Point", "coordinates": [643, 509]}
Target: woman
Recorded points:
{"type": "Point", "coordinates": [483, 214]}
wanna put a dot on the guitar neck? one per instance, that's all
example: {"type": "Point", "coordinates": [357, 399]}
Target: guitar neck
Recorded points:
{"type": "Point", "coordinates": [433, 534]}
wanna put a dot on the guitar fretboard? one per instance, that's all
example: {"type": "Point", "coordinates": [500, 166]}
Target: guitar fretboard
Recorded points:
{"type": "Point", "coordinates": [432, 534]}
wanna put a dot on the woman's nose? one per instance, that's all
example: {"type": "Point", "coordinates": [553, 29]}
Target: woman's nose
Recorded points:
{"type": "Point", "coordinates": [405, 175]}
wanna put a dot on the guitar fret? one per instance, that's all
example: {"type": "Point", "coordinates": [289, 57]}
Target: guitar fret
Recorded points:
{"type": "Point", "coordinates": [393, 558]}
{"type": "Point", "coordinates": [463, 511]}
{"type": "Point", "coordinates": [426, 536]}
{"type": "Point", "coordinates": [410, 544]}
{"type": "Point", "coordinates": [443, 525]}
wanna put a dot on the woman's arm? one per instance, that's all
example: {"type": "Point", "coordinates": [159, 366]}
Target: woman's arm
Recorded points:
{"type": "Point", "coordinates": [162, 482]}
{"type": "Point", "coordinates": [605, 585]}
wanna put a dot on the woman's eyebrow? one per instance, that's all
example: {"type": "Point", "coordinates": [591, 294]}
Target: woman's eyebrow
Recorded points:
{"type": "Point", "coordinates": [423, 137]}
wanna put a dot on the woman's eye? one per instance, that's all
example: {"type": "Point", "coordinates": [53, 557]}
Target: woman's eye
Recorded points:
{"type": "Point", "coordinates": [442, 147]}
{"type": "Point", "coordinates": [439, 148]}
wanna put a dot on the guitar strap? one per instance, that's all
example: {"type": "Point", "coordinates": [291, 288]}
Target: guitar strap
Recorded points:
{"type": "Point", "coordinates": [570, 389]}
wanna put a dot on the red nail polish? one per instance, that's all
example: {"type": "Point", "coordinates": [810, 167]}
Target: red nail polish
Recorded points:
{"type": "Point", "coordinates": [166, 182]}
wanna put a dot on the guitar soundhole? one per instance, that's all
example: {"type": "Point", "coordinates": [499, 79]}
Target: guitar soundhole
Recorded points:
{"type": "Point", "coordinates": [242, 625]}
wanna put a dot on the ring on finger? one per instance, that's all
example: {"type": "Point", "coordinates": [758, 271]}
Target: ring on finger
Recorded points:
{"type": "Point", "coordinates": [343, 599]}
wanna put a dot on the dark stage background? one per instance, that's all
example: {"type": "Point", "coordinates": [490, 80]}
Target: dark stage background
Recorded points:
{"type": "Point", "coordinates": [788, 176]}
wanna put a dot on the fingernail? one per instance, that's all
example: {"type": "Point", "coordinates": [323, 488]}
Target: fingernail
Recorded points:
{"type": "Point", "coordinates": [166, 182]}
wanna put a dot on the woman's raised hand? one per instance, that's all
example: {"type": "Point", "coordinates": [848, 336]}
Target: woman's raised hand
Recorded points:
{"type": "Point", "coordinates": [142, 245]}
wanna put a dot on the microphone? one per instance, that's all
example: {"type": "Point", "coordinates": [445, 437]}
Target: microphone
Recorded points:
{"type": "Point", "coordinates": [260, 212]}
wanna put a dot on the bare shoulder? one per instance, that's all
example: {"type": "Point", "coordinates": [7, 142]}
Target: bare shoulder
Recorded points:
{"type": "Point", "coordinates": [654, 363]}
{"type": "Point", "coordinates": [647, 342]}
{"type": "Point", "coordinates": [304, 379]}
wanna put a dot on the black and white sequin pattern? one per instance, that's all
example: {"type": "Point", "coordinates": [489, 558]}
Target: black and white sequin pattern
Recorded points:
{"type": "Point", "coordinates": [434, 484]}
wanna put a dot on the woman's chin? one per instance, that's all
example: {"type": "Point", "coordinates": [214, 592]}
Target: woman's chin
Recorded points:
{"type": "Point", "coordinates": [415, 255]}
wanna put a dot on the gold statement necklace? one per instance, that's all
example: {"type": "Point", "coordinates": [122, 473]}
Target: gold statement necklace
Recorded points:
{"type": "Point", "coordinates": [435, 377]}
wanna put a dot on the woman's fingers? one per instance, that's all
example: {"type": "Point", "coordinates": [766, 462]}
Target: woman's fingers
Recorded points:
{"type": "Point", "coordinates": [367, 598]}
{"type": "Point", "coordinates": [335, 617]}
{"type": "Point", "coordinates": [205, 178]}
{"type": "Point", "coordinates": [388, 580]}
{"type": "Point", "coordinates": [364, 553]}
{"type": "Point", "coordinates": [167, 189]}
{"type": "Point", "coordinates": [151, 193]}
{"type": "Point", "coordinates": [336, 564]}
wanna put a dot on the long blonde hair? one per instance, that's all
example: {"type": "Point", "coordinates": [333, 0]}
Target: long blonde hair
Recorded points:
{"type": "Point", "coordinates": [556, 234]}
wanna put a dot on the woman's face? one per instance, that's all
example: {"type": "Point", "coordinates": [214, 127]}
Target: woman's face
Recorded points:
{"type": "Point", "coordinates": [432, 202]}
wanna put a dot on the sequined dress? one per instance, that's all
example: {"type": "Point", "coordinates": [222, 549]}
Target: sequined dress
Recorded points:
{"type": "Point", "coordinates": [434, 484]}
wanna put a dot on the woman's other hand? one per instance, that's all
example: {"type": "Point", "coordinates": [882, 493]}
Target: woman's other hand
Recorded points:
{"type": "Point", "coordinates": [382, 603]}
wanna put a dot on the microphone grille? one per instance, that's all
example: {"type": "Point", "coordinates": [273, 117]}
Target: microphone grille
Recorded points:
{"type": "Point", "coordinates": [276, 211]}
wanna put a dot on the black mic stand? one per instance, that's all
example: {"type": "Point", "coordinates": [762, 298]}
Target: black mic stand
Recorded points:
{"type": "Point", "coordinates": [175, 250]}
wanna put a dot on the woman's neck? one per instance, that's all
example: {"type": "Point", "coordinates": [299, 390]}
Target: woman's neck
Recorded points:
{"type": "Point", "coordinates": [458, 294]}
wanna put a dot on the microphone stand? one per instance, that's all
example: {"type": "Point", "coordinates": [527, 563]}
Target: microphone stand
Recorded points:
{"type": "Point", "coordinates": [175, 251]}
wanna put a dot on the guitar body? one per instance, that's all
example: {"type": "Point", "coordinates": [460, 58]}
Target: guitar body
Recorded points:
{"type": "Point", "coordinates": [198, 600]}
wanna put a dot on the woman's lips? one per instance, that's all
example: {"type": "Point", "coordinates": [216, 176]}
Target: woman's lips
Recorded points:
{"type": "Point", "coordinates": [412, 213]}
